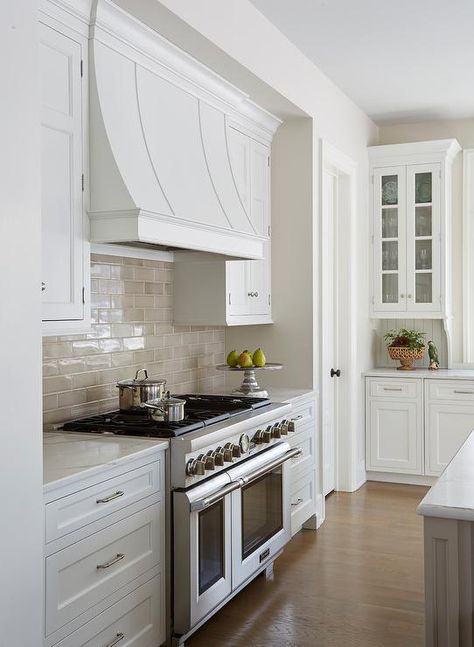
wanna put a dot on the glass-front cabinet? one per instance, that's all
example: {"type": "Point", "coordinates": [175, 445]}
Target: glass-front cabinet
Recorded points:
{"type": "Point", "coordinates": [410, 224]}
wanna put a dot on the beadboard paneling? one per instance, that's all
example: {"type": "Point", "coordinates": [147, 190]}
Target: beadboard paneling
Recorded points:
{"type": "Point", "coordinates": [434, 331]}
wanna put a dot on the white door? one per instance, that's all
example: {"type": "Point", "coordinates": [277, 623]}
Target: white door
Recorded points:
{"type": "Point", "coordinates": [448, 427]}
{"type": "Point", "coordinates": [394, 437]}
{"type": "Point", "coordinates": [329, 349]}
{"type": "Point", "coordinates": [61, 176]}
{"type": "Point", "coordinates": [423, 238]}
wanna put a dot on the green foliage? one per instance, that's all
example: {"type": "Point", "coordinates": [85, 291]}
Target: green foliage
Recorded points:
{"type": "Point", "coordinates": [404, 338]}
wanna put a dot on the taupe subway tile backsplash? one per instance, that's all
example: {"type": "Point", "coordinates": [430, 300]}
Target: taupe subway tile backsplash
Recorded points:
{"type": "Point", "coordinates": [132, 314]}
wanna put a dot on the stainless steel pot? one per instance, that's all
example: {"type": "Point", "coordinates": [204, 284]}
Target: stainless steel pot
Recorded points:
{"type": "Point", "coordinates": [168, 409]}
{"type": "Point", "coordinates": [133, 392]}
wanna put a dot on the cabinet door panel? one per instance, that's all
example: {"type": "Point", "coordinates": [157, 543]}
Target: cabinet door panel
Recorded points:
{"type": "Point", "coordinates": [423, 238]}
{"type": "Point", "coordinates": [394, 437]}
{"type": "Point", "coordinates": [61, 173]}
{"type": "Point", "coordinates": [448, 427]}
{"type": "Point", "coordinates": [259, 172]}
{"type": "Point", "coordinates": [389, 239]}
{"type": "Point", "coordinates": [239, 153]}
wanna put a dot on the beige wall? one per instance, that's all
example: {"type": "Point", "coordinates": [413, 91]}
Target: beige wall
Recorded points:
{"type": "Point", "coordinates": [132, 313]}
{"type": "Point", "coordinates": [463, 131]}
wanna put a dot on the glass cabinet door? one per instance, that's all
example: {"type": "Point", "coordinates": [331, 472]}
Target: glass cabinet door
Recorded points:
{"type": "Point", "coordinates": [423, 237]}
{"type": "Point", "coordinates": [389, 238]}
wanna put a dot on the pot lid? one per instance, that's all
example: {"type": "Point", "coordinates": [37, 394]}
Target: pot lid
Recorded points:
{"type": "Point", "coordinates": [143, 381]}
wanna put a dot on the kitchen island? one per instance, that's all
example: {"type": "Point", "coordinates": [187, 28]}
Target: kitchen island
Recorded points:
{"type": "Point", "coordinates": [448, 511]}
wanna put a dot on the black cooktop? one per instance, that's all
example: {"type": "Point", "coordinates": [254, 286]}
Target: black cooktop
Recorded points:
{"type": "Point", "coordinates": [199, 411]}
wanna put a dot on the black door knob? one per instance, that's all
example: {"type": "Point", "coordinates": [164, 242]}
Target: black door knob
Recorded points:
{"type": "Point", "coordinates": [336, 372]}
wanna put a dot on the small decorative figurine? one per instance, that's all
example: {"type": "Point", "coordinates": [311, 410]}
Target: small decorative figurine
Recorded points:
{"type": "Point", "coordinates": [433, 355]}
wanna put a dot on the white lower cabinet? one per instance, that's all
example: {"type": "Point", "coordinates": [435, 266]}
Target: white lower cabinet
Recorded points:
{"type": "Point", "coordinates": [395, 442]}
{"type": "Point", "coordinates": [416, 425]}
{"type": "Point", "coordinates": [304, 474]}
{"type": "Point", "coordinates": [104, 575]}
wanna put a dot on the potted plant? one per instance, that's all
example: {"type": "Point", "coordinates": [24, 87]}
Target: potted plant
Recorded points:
{"type": "Point", "coordinates": [406, 346]}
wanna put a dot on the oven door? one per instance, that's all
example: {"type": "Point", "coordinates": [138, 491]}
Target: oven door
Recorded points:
{"type": "Point", "coordinates": [202, 538]}
{"type": "Point", "coordinates": [261, 510]}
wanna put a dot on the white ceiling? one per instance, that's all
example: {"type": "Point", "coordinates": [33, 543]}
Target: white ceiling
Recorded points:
{"type": "Point", "coordinates": [399, 60]}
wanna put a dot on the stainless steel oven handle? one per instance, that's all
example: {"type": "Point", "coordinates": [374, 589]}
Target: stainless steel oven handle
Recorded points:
{"type": "Point", "coordinates": [291, 453]}
{"type": "Point", "coordinates": [207, 501]}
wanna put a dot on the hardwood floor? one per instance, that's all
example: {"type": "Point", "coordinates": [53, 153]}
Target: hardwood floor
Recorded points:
{"type": "Point", "coordinates": [356, 582]}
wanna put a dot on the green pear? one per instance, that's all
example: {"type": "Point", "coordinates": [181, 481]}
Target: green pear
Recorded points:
{"type": "Point", "coordinates": [233, 358]}
{"type": "Point", "coordinates": [259, 358]}
{"type": "Point", "coordinates": [245, 360]}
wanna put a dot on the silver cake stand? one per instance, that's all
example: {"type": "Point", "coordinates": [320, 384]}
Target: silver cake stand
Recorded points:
{"type": "Point", "coordinates": [249, 384]}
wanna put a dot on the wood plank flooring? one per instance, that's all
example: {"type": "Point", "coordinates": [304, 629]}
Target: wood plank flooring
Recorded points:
{"type": "Point", "coordinates": [356, 582]}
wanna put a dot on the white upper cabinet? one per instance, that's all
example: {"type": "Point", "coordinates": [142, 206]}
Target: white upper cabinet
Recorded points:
{"type": "Point", "coordinates": [63, 280]}
{"type": "Point", "coordinates": [411, 221]}
{"type": "Point", "coordinates": [166, 167]}
{"type": "Point", "coordinates": [210, 291]}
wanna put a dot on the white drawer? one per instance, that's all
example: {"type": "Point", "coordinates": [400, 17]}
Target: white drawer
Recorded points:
{"type": "Point", "coordinates": [393, 387]}
{"type": "Point", "coordinates": [303, 414]}
{"type": "Point", "coordinates": [80, 576]}
{"type": "Point", "coordinates": [452, 390]}
{"type": "Point", "coordinates": [303, 500]}
{"type": "Point", "coordinates": [138, 617]}
{"type": "Point", "coordinates": [306, 461]}
{"type": "Point", "coordinates": [72, 512]}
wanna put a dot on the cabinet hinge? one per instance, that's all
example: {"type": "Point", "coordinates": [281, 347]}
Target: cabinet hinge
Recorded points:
{"type": "Point", "coordinates": [82, 68]}
{"type": "Point", "coordinates": [268, 160]}
{"type": "Point", "coordinates": [83, 295]}
{"type": "Point", "coordinates": [269, 231]}
{"type": "Point", "coordinates": [82, 181]}
{"type": "Point", "coordinates": [229, 298]}
{"type": "Point", "coordinates": [269, 299]}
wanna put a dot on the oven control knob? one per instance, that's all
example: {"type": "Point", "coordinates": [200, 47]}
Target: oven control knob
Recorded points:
{"type": "Point", "coordinates": [209, 461]}
{"type": "Point", "coordinates": [291, 424]}
{"type": "Point", "coordinates": [235, 449]}
{"type": "Point", "coordinates": [218, 456]}
{"type": "Point", "coordinates": [276, 430]}
{"type": "Point", "coordinates": [267, 434]}
{"type": "Point", "coordinates": [195, 467]}
{"type": "Point", "coordinates": [258, 437]}
{"type": "Point", "coordinates": [284, 427]}
{"type": "Point", "coordinates": [244, 443]}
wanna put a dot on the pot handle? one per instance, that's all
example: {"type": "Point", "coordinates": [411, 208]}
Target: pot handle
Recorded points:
{"type": "Point", "coordinates": [141, 370]}
{"type": "Point", "coordinates": [151, 406]}
{"type": "Point", "coordinates": [125, 386]}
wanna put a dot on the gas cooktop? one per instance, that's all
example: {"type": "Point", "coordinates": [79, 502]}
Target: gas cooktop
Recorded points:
{"type": "Point", "coordinates": [199, 411]}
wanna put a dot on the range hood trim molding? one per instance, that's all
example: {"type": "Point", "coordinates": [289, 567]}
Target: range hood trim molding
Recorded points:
{"type": "Point", "coordinates": [137, 226]}
{"type": "Point", "coordinates": [115, 28]}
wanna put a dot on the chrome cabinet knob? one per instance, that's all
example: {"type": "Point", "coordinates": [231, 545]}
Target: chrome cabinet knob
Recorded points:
{"type": "Point", "coordinates": [43, 286]}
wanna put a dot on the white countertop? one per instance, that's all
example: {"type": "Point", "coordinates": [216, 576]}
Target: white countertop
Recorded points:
{"type": "Point", "coordinates": [452, 496]}
{"type": "Point", "coordinates": [423, 373]}
{"type": "Point", "coordinates": [67, 456]}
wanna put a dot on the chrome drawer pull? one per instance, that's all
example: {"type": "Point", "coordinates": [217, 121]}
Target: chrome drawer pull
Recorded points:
{"type": "Point", "coordinates": [116, 640]}
{"type": "Point", "coordinates": [111, 562]}
{"type": "Point", "coordinates": [115, 495]}
{"type": "Point", "coordinates": [464, 392]}
{"type": "Point", "coordinates": [297, 502]}
{"type": "Point", "coordinates": [391, 388]}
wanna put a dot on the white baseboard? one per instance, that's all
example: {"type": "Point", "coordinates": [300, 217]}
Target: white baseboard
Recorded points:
{"type": "Point", "coordinates": [407, 479]}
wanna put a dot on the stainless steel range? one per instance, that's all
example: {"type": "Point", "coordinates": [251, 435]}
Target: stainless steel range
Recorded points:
{"type": "Point", "coordinates": [230, 495]}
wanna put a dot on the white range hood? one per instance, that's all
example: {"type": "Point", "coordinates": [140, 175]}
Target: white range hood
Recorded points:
{"type": "Point", "coordinates": [161, 167]}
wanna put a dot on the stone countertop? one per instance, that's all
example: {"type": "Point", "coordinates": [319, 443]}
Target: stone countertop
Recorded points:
{"type": "Point", "coordinates": [452, 496]}
{"type": "Point", "coordinates": [69, 456]}
{"type": "Point", "coordinates": [423, 373]}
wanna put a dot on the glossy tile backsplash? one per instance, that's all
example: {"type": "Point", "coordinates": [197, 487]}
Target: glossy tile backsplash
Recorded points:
{"type": "Point", "coordinates": [132, 312]}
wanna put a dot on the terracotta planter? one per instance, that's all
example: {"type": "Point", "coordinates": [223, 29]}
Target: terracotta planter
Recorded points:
{"type": "Point", "coordinates": [406, 356]}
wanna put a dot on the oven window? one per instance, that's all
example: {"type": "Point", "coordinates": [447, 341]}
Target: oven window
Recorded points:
{"type": "Point", "coordinates": [211, 546]}
{"type": "Point", "coordinates": [262, 511]}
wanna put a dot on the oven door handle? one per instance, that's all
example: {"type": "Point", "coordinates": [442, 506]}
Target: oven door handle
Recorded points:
{"type": "Point", "coordinates": [207, 501]}
{"type": "Point", "coordinates": [291, 453]}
